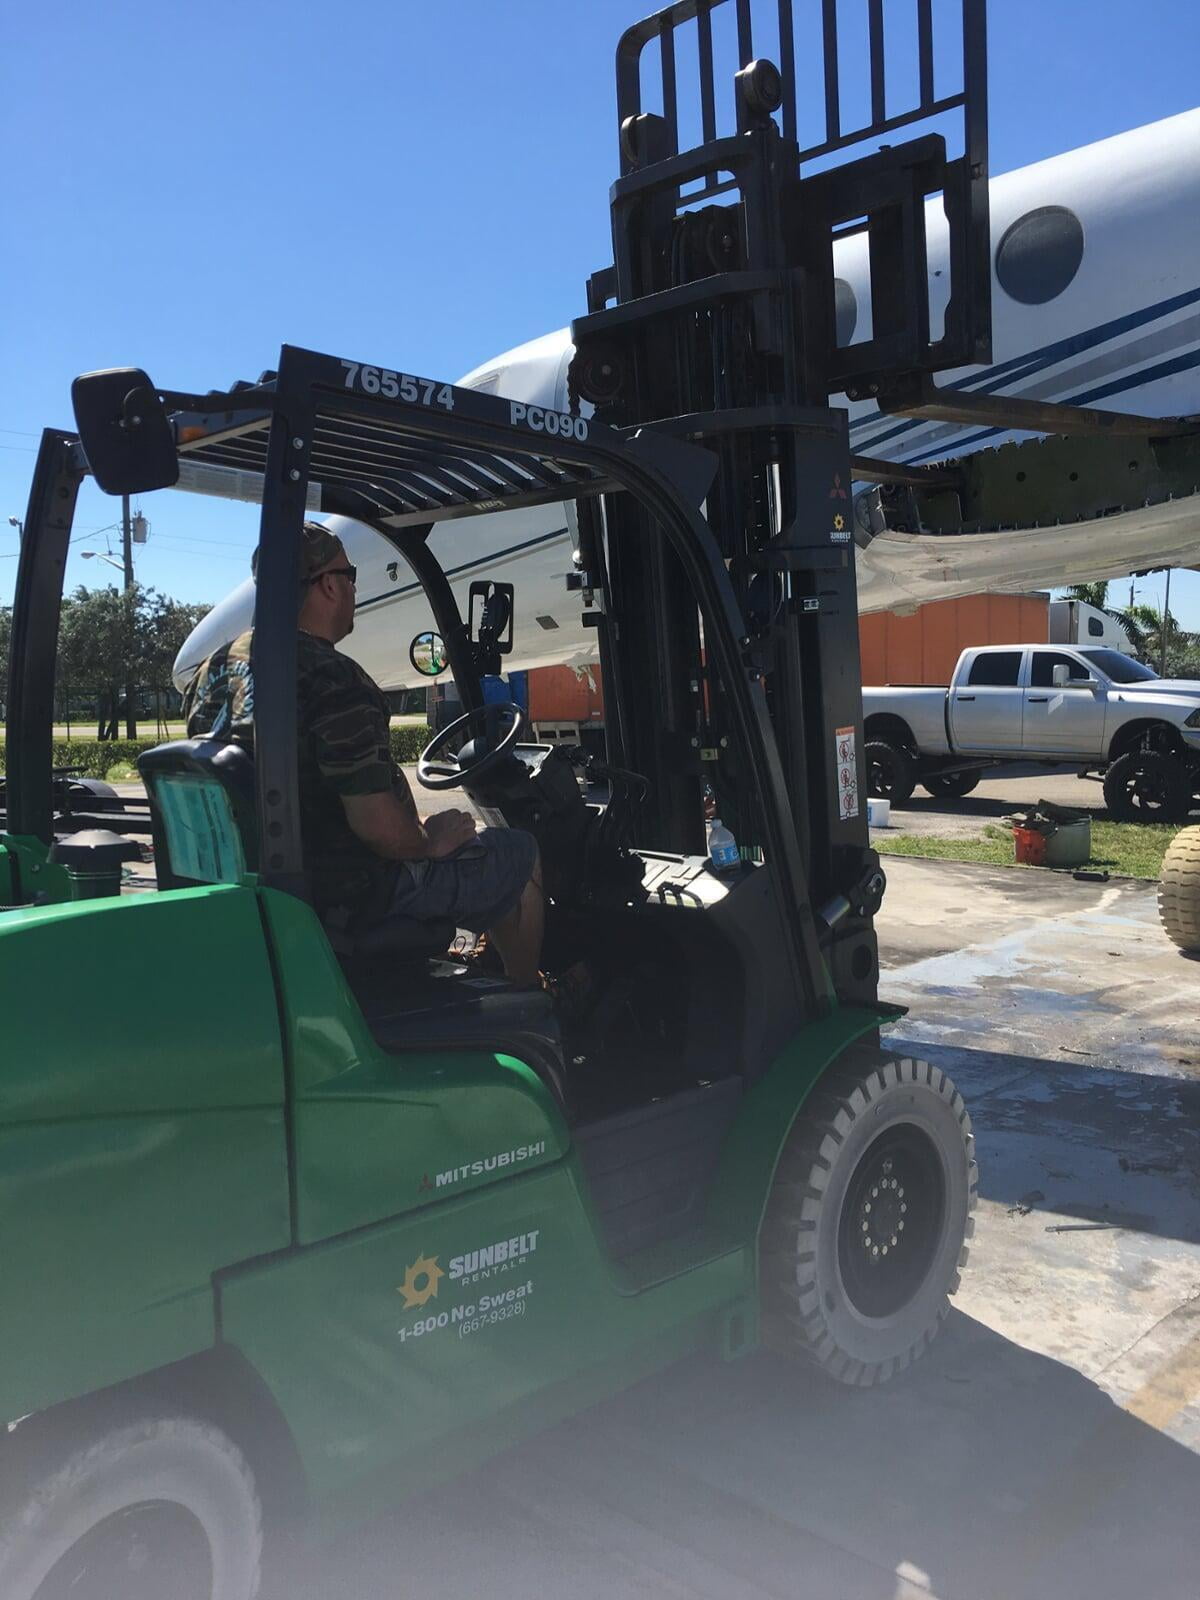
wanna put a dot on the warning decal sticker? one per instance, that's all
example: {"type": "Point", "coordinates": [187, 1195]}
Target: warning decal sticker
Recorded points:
{"type": "Point", "coordinates": [847, 773]}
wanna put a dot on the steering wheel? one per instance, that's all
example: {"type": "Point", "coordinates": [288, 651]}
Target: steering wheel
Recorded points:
{"type": "Point", "coordinates": [494, 728]}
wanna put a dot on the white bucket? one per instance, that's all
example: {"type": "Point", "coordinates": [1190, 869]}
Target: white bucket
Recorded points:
{"type": "Point", "coordinates": [879, 813]}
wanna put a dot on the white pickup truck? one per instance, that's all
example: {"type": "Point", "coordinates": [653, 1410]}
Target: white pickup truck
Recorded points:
{"type": "Point", "coordinates": [1085, 706]}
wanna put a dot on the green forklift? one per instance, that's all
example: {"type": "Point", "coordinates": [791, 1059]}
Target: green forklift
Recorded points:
{"type": "Point", "coordinates": [338, 1215]}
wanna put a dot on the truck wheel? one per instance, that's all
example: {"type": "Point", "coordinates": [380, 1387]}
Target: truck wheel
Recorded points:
{"type": "Point", "coordinates": [1179, 891]}
{"type": "Point", "coordinates": [869, 1215]}
{"type": "Point", "coordinates": [1147, 786]}
{"type": "Point", "coordinates": [891, 771]}
{"type": "Point", "coordinates": [165, 1506]}
{"type": "Point", "coordinates": [951, 785]}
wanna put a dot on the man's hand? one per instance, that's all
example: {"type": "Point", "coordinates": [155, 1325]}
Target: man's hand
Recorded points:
{"type": "Point", "coordinates": [448, 831]}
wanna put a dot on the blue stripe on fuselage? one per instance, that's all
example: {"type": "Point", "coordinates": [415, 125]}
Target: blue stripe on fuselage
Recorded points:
{"type": "Point", "coordinates": [1035, 361]}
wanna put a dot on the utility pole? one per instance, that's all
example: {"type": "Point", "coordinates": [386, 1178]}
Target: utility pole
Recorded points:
{"type": "Point", "coordinates": [1166, 623]}
{"type": "Point", "coordinates": [127, 558]}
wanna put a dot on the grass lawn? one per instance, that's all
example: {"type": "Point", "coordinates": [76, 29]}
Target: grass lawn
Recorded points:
{"type": "Point", "coordinates": [1131, 849]}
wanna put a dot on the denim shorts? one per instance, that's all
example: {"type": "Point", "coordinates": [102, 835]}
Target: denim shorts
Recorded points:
{"type": "Point", "coordinates": [475, 888]}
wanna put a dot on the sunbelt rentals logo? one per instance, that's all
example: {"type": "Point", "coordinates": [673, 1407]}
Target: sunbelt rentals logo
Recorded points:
{"type": "Point", "coordinates": [421, 1282]}
{"type": "Point", "coordinates": [423, 1277]}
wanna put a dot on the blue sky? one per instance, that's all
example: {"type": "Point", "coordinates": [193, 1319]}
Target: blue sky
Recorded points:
{"type": "Point", "coordinates": [186, 188]}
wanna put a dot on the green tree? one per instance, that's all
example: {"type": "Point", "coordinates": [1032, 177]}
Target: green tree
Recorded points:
{"type": "Point", "coordinates": [1090, 594]}
{"type": "Point", "coordinates": [111, 637]}
{"type": "Point", "coordinates": [5, 646]}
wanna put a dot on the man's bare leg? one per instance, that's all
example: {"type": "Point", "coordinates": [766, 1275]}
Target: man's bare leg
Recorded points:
{"type": "Point", "coordinates": [518, 936]}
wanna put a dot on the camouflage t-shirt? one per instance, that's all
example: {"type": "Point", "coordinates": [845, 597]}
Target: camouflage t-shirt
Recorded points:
{"type": "Point", "coordinates": [343, 749]}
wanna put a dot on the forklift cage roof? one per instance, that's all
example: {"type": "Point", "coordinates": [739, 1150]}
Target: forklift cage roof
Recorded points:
{"type": "Point", "coordinates": [399, 453]}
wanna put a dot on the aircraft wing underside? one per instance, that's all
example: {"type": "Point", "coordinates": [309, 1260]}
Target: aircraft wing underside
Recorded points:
{"type": "Point", "coordinates": [1037, 514]}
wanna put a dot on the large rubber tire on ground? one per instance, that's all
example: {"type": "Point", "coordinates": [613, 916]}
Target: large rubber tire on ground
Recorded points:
{"type": "Point", "coordinates": [1179, 891]}
{"type": "Point", "coordinates": [951, 785]}
{"type": "Point", "coordinates": [1148, 786]}
{"type": "Point", "coordinates": [868, 1221]}
{"type": "Point", "coordinates": [165, 1506]}
{"type": "Point", "coordinates": [891, 771]}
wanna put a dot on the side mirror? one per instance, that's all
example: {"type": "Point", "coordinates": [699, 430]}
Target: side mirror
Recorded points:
{"type": "Point", "coordinates": [124, 430]}
{"type": "Point", "coordinates": [491, 614]}
{"type": "Point", "coordinates": [490, 623]}
{"type": "Point", "coordinates": [1060, 676]}
{"type": "Point", "coordinates": [427, 653]}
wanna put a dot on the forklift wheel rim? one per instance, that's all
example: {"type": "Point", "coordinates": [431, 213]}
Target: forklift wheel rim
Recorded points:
{"type": "Point", "coordinates": [892, 1221]}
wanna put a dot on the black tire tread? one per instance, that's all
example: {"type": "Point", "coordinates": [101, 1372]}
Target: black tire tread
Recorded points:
{"type": "Point", "coordinates": [1173, 771]}
{"type": "Point", "coordinates": [904, 769]}
{"type": "Point", "coordinates": [23, 1510]}
{"type": "Point", "coordinates": [792, 1313]}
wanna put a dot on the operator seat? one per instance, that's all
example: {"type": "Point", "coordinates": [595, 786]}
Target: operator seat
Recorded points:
{"type": "Point", "coordinates": [203, 811]}
{"type": "Point", "coordinates": [204, 816]}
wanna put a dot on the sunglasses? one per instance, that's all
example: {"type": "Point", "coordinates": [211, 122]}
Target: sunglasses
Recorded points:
{"type": "Point", "coordinates": [336, 572]}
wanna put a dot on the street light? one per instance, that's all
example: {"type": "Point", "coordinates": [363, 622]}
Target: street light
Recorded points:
{"type": "Point", "coordinates": [15, 522]}
{"type": "Point", "coordinates": [99, 555]}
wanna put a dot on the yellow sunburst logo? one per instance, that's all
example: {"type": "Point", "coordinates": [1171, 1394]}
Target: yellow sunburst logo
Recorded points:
{"type": "Point", "coordinates": [839, 522]}
{"type": "Point", "coordinates": [421, 1282]}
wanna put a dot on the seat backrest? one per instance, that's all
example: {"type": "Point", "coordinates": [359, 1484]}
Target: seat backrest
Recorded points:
{"type": "Point", "coordinates": [203, 811]}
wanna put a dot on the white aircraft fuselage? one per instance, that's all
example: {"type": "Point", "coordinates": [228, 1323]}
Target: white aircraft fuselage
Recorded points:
{"type": "Point", "coordinates": [1095, 299]}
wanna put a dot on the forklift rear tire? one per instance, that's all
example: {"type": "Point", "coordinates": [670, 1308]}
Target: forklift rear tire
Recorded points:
{"type": "Point", "coordinates": [166, 1505]}
{"type": "Point", "coordinates": [951, 785]}
{"type": "Point", "coordinates": [891, 771]}
{"type": "Point", "coordinates": [869, 1217]}
{"type": "Point", "coordinates": [1179, 891]}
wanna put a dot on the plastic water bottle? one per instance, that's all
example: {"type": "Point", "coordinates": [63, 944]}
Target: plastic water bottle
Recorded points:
{"type": "Point", "coordinates": [722, 847]}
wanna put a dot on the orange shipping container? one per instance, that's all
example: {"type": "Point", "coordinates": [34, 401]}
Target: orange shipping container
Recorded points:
{"type": "Point", "coordinates": [564, 694]}
{"type": "Point", "coordinates": [924, 646]}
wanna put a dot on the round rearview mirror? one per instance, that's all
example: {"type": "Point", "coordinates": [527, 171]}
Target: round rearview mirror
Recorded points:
{"type": "Point", "coordinates": [427, 653]}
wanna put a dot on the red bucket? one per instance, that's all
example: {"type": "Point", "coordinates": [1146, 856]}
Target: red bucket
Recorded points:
{"type": "Point", "coordinates": [1030, 846]}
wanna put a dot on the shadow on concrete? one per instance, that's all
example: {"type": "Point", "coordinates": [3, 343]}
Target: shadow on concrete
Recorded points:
{"type": "Point", "coordinates": [988, 1472]}
{"type": "Point", "coordinates": [1116, 1150]}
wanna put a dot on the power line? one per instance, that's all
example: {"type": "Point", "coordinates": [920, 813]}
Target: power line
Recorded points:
{"type": "Point", "coordinates": [198, 538]}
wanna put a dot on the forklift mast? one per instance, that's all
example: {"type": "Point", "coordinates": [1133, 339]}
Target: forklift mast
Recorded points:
{"type": "Point", "coordinates": [718, 322]}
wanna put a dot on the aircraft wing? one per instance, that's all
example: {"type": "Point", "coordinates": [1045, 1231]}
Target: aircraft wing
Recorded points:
{"type": "Point", "coordinates": [1038, 514]}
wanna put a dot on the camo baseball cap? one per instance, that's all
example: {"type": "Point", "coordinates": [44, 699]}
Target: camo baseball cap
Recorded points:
{"type": "Point", "coordinates": [318, 547]}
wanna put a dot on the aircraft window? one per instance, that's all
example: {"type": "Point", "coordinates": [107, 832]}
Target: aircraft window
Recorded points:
{"type": "Point", "coordinates": [1040, 254]}
{"type": "Point", "coordinates": [845, 311]}
{"type": "Point", "coordinates": [997, 669]}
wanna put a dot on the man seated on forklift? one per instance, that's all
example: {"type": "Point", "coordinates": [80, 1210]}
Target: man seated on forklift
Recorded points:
{"type": "Point", "coordinates": [369, 855]}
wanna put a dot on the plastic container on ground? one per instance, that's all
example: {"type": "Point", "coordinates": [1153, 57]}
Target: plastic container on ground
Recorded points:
{"type": "Point", "coordinates": [879, 813]}
{"type": "Point", "coordinates": [1070, 845]}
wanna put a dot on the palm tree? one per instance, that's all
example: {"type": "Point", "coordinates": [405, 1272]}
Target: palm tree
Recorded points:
{"type": "Point", "coordinates": [1090, 594]}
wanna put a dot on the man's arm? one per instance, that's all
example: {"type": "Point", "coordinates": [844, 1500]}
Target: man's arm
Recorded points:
{"type": "Point", "coordinates": [389, 824]}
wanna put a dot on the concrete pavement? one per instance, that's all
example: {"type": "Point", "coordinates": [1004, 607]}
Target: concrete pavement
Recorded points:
{"type": "Point", "coordinates": [1046, 1448]}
